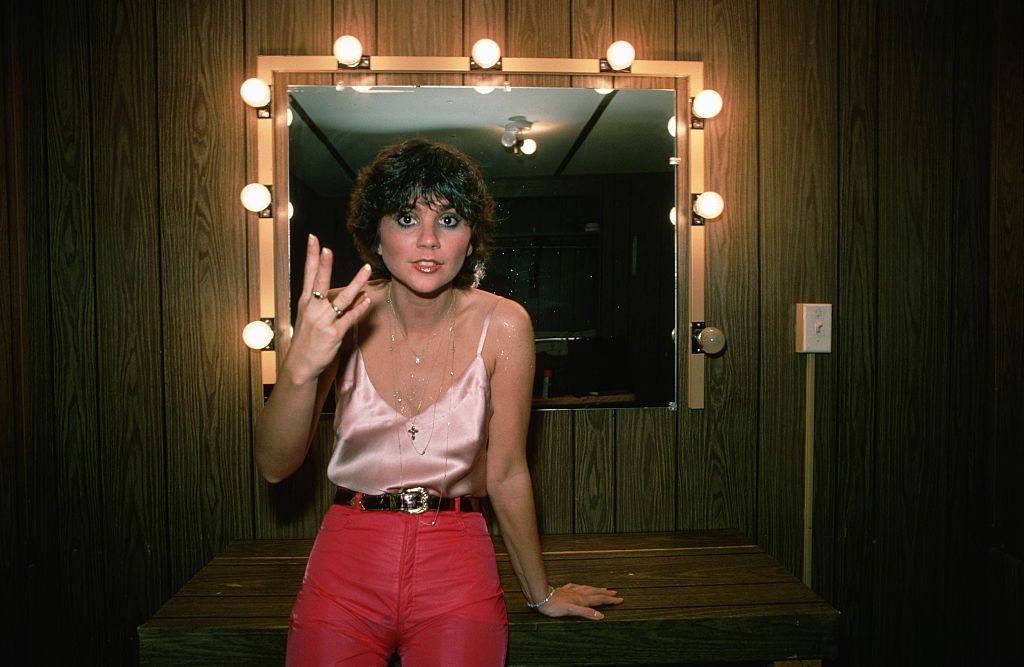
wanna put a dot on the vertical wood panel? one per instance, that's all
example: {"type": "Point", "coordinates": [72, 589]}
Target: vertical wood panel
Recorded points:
{"type": "Point", "coordinates": [594, 471]}
{"type": "Point", "coordinates": [293, 28]}
{"type": "Point", "coordinates": [410, 28]}
{"type": "Point", "coordinates": [127, 268]}
{"type": "Point", "coordinates": [209, 463]}
{"type": "Point", "coordinates": [718, 445]}
{"type": "Point", "coordinates": [1006, 278]}
{"type": "Point", "coordinates": [798, 254]}
{"type": "Point", "coordinates": [645, 470]}
{"type": "Point", "coordinates": [550, 454]}
{"type": "Point", "coordinates": [970, 44]}
{"type": "Point", "coordinates": [539, 29]}
{"type": "Point", "coordinates": [77, 473]}
{"type": "Point", "coordinates": [39, 509]}
{"type": "Point", "coordinates": [915, 175]}
{"type": "Point", "coordinates": [856, 348]}
{"type": "Point", "coordinates": [357, 18]}
{"type": "Point", "coordinates": [591, 31]}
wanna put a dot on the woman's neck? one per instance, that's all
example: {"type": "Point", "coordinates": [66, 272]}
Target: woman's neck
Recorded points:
{"type": "Point", "coordinates": [418, 313]}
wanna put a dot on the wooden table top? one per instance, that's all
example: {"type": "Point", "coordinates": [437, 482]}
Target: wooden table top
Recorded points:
{"type": "Point", "coordinates": [689, 597]}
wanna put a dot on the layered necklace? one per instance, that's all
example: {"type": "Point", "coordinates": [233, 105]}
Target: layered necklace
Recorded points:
{"type": "Point", "coordinates": [417, 386]}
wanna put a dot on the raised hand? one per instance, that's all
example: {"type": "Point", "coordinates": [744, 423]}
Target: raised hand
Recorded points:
{"type": "Point", "coordinates": [579, 600]}
{"type": "Point", "coordinates": [321, 322]}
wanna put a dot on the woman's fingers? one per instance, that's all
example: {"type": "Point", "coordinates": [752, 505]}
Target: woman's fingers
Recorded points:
{"type": "Point", "coordinates": [311, 266]}
{"type": "Point", "coordinates": [347, 297]}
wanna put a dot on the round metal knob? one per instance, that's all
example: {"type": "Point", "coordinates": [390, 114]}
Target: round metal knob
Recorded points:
{"type": "Point", "coordinates": [711, 340]}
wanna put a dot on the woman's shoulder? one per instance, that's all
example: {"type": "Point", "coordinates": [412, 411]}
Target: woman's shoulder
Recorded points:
{"type": "Point", "coordinates": [505, 313]}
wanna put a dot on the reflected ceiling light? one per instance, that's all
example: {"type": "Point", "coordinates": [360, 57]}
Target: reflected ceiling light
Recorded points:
{"type": "Point", "coordinates": [484, 90]}
{"type": "Point", "coordinates": [707, 104]}
{"type": "Point", "coordinates": [708, 205]}
{"type": "Point", "coordinates": [256, 197]}
{"type": "Point", "coordinates": [362, 89]}
{"type": "Point", "coordinates": [349, 51]}
{"type": "Point", "coordinates": [672, 215]}
{"type": "Point", "coordinates": [603, 91]}
{"type": "Point", "coordinates": [258, 335]}
{"type": "Point", "coordinates": [509, 138]}
{"type": "Point", "coordinates": [485, 54]}
{"type": "Point", "coordinates": [620, 55]}
{"type": "Point", "coordinates": [529, 147]}
{"type": "Point", "coordinates": [672, 126]}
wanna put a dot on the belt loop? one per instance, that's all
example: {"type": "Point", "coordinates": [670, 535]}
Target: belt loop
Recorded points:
{"type": "Point", "coordinates": [457, 502]}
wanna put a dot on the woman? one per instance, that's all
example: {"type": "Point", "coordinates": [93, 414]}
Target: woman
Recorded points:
{"type": "Point", "coordinates": [433, 380]}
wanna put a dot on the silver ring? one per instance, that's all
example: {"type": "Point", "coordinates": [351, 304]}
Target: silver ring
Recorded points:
{"type": "Point", "coordinates": [337, 311]}
{"type": "Point", "coordinates": [317, 295]}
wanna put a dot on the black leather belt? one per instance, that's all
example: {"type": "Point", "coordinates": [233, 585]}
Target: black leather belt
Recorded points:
{"type": "Point", "coordinates": [414, 501]}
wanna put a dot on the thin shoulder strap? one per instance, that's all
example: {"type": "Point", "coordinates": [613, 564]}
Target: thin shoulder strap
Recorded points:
{"type": "Point", "coordinates": [487, 323]}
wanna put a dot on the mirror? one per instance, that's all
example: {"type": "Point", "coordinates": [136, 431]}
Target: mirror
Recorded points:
{"type": "Point", "coordinates": [584, 239]}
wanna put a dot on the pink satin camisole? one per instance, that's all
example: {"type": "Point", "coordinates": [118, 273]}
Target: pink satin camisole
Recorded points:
{"type": "Point", "coordinates": [372, 449]}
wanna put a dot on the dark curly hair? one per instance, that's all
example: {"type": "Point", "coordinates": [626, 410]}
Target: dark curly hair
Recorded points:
{"type": "Point", "coordinates": [422, 170]}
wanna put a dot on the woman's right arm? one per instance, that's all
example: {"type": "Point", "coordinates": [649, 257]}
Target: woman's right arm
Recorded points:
{"type": "Point", "coordinates": [285, 426]}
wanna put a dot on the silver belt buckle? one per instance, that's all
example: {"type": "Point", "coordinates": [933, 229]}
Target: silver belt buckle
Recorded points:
{"type": "Point", "coordinates": [417, 504]}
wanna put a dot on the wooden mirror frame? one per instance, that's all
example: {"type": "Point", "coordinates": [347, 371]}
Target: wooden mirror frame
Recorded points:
{"type": "Point", "coordinates": [269, 248]}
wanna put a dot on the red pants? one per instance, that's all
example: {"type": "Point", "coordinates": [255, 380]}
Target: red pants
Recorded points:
{"type": "Point", "coordinates": [379, 582]}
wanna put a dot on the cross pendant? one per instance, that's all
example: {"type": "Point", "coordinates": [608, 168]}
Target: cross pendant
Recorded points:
{"type": "Point", "coordinates": [413, 431]}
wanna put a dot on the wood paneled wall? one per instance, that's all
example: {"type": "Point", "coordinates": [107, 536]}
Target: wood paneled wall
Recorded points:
{"type": "Point", "coordinates": [853, 153]}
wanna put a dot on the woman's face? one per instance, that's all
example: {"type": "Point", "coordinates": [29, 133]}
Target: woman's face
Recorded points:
{"type": "Point", "coordinates": [424, 247]}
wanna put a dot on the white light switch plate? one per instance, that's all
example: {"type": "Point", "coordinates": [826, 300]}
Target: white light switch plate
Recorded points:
{"type": "Point", "coordinates": [813, 327]}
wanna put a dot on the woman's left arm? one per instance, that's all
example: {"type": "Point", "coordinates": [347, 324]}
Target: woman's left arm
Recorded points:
{"type": "Point", "coordinates": [508, 477]}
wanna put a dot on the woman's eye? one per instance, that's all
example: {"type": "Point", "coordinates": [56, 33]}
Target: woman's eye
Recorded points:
{"type": "Point", "coordinates": [450, 220]}
{"type": "Point", "coordinates": [404, 220]}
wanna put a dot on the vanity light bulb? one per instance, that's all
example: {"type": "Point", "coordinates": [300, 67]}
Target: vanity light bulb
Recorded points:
{"type": "Point", "coordinates": [348, 50]}
{"type": "Point", "coordinates": [256, 93]}
{"type": "Point", "coordinates": [672, 126]}
{"type": "Point", "coordinates": [486, 53]}
{"type": "Point", "coordinates": [709, 205]}
{"type": "Point", "coordinates": [257, 334]}
{"type": "Point", "coordinates": [290, 116]}
{"type": "Point", "coordinates": [362, 89]}
{"type": "Point", "coordinates": [291, 210]}
{"type": "Point", "coordinates": [529, 147]}
{"type": "Point", "coordinates": [620, 55]}
{"type": "Point", "coordinates": [484, 90]}
{"type": "Point", "coordinates": [255, 197]}
{"type": "Point", "coordinates": [672, 215]}
{"type": "Point", "coordinates": [603, 91]}
{"type": "Point", "coordinates": [707, 104]}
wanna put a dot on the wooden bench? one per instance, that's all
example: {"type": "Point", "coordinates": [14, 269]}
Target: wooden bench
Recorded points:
{"type": "Point", "coordinates": [690, 597]}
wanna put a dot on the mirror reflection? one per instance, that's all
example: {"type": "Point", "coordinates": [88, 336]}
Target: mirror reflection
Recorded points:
{"type": "Point", "coordinates": [584, 188]}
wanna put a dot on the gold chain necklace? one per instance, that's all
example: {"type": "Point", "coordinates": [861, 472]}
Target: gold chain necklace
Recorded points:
{"type": "Point", "coordinates": [417, 356]}
{"type": "Point", "coordinates": [412, 430]}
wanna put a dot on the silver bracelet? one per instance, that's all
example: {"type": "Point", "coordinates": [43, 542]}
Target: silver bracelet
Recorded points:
{"type": "Point", "coordinates": [538, 605]}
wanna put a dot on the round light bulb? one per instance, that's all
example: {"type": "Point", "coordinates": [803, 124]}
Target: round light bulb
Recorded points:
{"type": "Point", "coordinates": [509, 138]}
{"type": "Point", "coordinates": [348, 50]}
{"type": "Point", "coordinates": [486, 53]}
{"type": "Point", "coordinates": [257, 334]}
{"type": "Point", "coordinates": [603, 91]}
{"type": "Point", "coordinates": [529, 147]}
{"type": "Point", "coordinates": [256, 93]}
{"type": "Point", "coordinates": [291, 210]}
{"type": "Point", "coordinates": [707, 104]}
{"type": "Point", "coordinates": [255, 197]}
{"type": "Point", "coordinates": [620, 55]}
{"type": "Point", "coordinates": [672, 215]}
{"type": "Point", "coordinates": [709, 205]}
{"type": "Point", "coordinates": [672, 126]}
{"type": "Point", "coordinates": [362, 89]}
{"type": "Point", "coordinates": [484, 90]}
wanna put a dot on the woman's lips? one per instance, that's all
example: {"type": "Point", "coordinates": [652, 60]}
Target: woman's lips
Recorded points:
{"type": "Point", "coordinates": [426, 266]}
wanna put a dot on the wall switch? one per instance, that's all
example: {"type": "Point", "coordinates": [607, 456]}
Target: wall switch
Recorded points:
{"type": "Point", "coordinates": [813, 327]}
